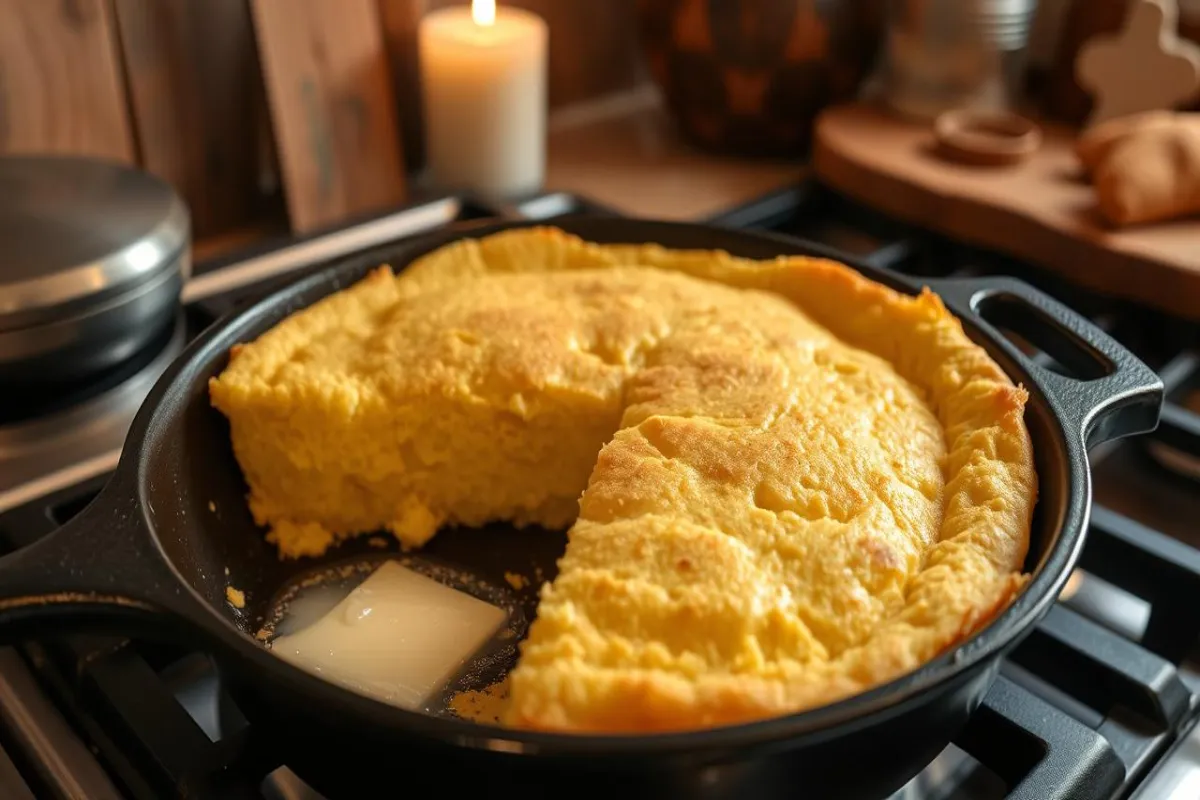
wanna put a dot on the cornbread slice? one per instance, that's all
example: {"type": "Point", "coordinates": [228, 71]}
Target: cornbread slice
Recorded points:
{"type": "Point", "coordinates": [796, 483]}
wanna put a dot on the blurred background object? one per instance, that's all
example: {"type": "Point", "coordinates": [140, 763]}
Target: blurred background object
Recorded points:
{"type": "Point", "coordinates": [483, 85]}
{"type": "Point", "coordinates": [952, 54]}
{"type": "Point", "coordinates": [267, 116]}
{"type": "Point", "coordinates": [291, 117]}
{"type": "Point", "coordinates": [750, 77]}
{"type": "Point", "coordinates": [1082, 21]}
{"type": "Point", "coordinates": [1145, 65]}
{"type": "Point", "coordinates": [331, 106]}
{"type": "Point", "coordinates": [592, 53]}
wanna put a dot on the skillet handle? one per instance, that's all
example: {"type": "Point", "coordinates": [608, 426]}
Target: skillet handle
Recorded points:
{"type": "Point", "coordinates": [101, 573]}
{"type": "Point", "coordinates": [1110, 394]}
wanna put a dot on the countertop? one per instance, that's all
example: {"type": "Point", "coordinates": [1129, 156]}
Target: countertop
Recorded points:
{"type": "Point", "coordinates": [622, 152]}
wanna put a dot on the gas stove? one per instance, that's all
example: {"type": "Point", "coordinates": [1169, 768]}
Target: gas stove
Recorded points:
{"type": "Point", "coordinates": [1101, 701]}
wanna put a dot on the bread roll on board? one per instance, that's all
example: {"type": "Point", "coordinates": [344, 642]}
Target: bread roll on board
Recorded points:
{"type": "Point", "coordinates": [1095, 143]}
{"type": "Point", "coordinates": [1152, 175]}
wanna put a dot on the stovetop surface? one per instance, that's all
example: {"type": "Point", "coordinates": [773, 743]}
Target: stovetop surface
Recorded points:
{"type": "Point", "coordinates": [1099, 702]}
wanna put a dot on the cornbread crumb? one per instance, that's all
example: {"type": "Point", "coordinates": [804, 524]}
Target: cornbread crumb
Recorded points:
{"type": "Point", "coordinates": [485, 706]}
{"type": "Point", "coordinates": [516, 580]}
{"type": "Point", "coordinates": [236, 597]}
{"type": "Point", "coordinates": [212, 506]}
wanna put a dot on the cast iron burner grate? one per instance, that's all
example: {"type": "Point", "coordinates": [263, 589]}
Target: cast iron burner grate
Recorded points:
{"type": "Point", "coordinates": [1088, 706]}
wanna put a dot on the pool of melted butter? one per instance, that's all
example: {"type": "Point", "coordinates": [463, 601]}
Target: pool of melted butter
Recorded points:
{"type": "Point", "coordinates": [403, 630]}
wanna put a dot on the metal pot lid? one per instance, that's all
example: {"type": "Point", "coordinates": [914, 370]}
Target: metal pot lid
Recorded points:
{"type": "Point", "coordinates": [77, 231]}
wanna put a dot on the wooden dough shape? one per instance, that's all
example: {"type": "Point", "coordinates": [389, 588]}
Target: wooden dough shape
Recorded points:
{"type": "Point", "coordinates": [1144, 66]}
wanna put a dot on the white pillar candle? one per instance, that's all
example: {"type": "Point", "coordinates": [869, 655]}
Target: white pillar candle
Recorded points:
{"type": "Point", "coordinates": [483, 77]}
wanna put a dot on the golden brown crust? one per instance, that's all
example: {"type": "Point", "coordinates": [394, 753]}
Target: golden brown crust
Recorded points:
{"type": "Point", "coordinates": [816, 484]}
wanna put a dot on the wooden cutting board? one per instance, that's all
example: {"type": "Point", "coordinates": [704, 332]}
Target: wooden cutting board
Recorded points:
{"type": "Point", "coordinates": [1040, 210]}
{"type": "Point", "coordinates": [332, 108]}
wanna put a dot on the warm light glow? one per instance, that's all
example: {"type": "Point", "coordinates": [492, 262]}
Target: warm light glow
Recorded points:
{"type": "Point", "coordinates": [1073, 584]}
{"type": "Point", "coordinates": [483, 11]}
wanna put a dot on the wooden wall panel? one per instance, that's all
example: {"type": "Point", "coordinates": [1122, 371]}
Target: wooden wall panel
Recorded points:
{"type": "Point", "coordinates": [60, 80]}
{"type": "Point", "coordinates": [332, 107]}
{"type": "Point", "coordinates": [398, 20]}
{"type": "Point", "coordinates": [198, 103]}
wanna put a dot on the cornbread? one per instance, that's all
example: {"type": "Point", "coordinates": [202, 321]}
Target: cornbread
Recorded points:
{"type": "Point", "coordinates": [785, 483]}
{"type": "Point", "coordinates": [235, 597]}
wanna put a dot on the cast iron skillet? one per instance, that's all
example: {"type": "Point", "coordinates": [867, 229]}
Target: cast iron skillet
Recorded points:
{"type": "Point", "coordinates": [149, 557]}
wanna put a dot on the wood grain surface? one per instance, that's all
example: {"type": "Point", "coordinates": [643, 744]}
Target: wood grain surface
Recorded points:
{"type": "Point", "coordinates": [1041, 210]}
{"type": "Point", "coordinates": [1144, 66]}
{"type": "Point", "coordinates": [398, 20]}
{"type": "Point", "coordinates": [61, 87]}
{"type": "Point", "coordinates": [1062, 98]}
{"type": "Point", "coordinates": [332, 108]}
{"type": "Point", "coordinates": [624, 152]}
{"type": "Point", "coordinates": [198, 103]}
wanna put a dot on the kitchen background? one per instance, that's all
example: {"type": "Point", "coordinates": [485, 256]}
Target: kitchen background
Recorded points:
{"type": "Point", "coordinates": [270, 117]}
{"type": "Point", "coordinates": [295, 133]}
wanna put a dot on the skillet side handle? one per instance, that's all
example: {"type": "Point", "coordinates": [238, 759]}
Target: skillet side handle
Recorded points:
{"type": "Point", "coordinates": [99, 573]}
{"type": "Point", "coordinates": [1111, 393]}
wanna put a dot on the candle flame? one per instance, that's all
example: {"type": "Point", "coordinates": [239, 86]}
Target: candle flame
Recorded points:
{"type": "Point", "coordinates": [483, 12]}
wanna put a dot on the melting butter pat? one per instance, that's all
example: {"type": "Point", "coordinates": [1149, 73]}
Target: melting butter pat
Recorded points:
{"type": "Point", "coordinates": [398, 637]}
